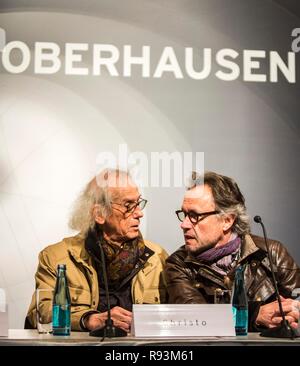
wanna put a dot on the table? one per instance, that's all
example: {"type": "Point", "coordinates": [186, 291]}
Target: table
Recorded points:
{"type": "Point", "coordinates": [21, 337]}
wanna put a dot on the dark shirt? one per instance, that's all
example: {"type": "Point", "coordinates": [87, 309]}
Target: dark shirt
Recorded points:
{"type": "Point", "coordinates": [119, 293]}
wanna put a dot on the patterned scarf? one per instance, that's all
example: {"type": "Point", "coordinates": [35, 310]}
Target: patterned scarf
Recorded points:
{"type": "Point", "coordinates": [121, 260]}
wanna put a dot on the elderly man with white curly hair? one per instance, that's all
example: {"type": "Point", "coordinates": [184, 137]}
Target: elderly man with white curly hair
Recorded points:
{"type": "Point", "coordinates": [107, 214]}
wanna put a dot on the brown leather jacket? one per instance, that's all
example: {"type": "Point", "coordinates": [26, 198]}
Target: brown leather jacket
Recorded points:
{"type": "Point", "coordinates": [192, 282]}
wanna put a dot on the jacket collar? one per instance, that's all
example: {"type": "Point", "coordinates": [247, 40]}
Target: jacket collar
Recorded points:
{"type": "Point", "coordinates": [248, 247]}
{"type": "Point", "coordinates": [142, 264]}
{"type": "Point", "coordinates": [77, 249]}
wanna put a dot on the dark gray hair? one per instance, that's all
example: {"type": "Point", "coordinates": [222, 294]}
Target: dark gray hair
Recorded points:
{"type": "Point", "coordinates": [227, 196]}
{"type": "Point", "coordinates": [96, 192]}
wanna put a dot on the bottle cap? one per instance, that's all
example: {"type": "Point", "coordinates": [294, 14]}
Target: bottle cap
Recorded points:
{"type": "Point", "coordinates": [61, 266]}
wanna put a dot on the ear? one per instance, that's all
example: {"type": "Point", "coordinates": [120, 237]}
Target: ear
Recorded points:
{"type": "Point", "coordinates": [228, 221]}
{"type": "Point", "coordinates": [96, 212]}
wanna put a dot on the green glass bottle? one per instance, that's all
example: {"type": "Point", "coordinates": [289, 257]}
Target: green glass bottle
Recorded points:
{"type": "Point", "coordinates": [61, 310]}
{"type": "Point", "coordinates": [240, 303]}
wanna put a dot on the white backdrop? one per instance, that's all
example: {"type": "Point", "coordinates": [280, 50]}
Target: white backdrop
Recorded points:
{"type": "Point", "coordinates": [52, 127]}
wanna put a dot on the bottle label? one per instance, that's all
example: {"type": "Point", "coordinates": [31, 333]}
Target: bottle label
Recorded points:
{"type": "Point", "coordinates": [240, 318]}
{"type": "Point", "coordinates": [61, 319]}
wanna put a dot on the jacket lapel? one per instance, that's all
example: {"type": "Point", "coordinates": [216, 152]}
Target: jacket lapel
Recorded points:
{"type": "Point", "coordinates": [205, 271]}
{"type": "Point", "coordinates": [79, 254]}
{"type": "Point", "coordinates": [248, 248]}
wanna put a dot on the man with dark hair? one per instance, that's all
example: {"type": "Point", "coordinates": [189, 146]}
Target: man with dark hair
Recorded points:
{"type": "Point", "coordinates": [217, 240]}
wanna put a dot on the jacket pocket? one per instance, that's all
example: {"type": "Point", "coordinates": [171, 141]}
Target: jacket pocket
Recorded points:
{"type": "Point", "coordinates": [262, 290]}
{"type": "Point", "coordinates": [154, 296]}
{"type": "Point", "coordinates": [80, 297]}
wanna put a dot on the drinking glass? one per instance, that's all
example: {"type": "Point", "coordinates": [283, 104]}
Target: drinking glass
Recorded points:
{"type": "Point", "coordinates": [44, 300]}
{"type": "Point", "coordinates": [222, 296]}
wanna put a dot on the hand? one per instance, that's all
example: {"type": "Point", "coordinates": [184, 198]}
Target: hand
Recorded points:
{"type": "Point", "coordinates": [269, 314]}
{"type": "Point", "coordinates": [121, 318]}
{"type": "Point", "coordinates": [291, 316]}
{"type": "Point", "coordinates": [96, 320]}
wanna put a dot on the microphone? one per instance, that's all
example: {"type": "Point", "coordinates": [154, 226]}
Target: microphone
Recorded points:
{"type": "Point", "coordinates": [109, 330]}
{"type": "Point", "coordinates": [284, 330]}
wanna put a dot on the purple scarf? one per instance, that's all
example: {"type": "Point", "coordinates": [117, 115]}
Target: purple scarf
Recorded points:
{"type": "Point", "coordinates": [214, 254]}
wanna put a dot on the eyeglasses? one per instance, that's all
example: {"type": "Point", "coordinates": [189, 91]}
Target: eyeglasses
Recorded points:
{"type": "Point", "coordinates": [130, 207]}
{"type": "Point", "coordinates": [194, 217]}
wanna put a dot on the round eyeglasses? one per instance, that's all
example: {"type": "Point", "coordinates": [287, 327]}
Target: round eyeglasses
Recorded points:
{"type": "Point", "coordinates": [131, 206]}
{"type": "Point", "coordinates": [193, 216]}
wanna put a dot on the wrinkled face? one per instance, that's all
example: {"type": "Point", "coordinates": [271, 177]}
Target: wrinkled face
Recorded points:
{"type": "Point", "coordinates": [210, 230]}
{"type": "Point", "coordinates": [121, 226]}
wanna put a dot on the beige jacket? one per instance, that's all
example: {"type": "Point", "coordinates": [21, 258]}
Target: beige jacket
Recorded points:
{"type": "Point", "coordinates": [148, 286]}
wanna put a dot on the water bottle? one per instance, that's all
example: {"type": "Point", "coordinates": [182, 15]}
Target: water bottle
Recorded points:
{"type": "Point", "coordinates": [61, 310]}
{"type": "Point", "coordinates": [240, 303]}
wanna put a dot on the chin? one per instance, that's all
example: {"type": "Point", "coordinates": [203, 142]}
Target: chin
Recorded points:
{"type": "Point", "coordinates": [191, 246]}
{"type": "Point", "coordinates": [133, 234]}
{"type": "Point", "coordinates": [196, 248]}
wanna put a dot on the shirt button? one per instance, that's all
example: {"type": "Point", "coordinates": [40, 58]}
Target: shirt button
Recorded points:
{"type": "Point", "coordinates": [75, 298]}
{"type": "Point", "coordinates": [136, 266]}
{"type": "Point", "coordinates": [147, 254]}
{"type": "Point", "coordinates": [253, 264]}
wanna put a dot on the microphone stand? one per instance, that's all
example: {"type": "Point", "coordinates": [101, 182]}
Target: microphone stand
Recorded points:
{"type": "Point", "coordinates": [109, 330]}
{"type": "Point", "coordinates": [284, 330]}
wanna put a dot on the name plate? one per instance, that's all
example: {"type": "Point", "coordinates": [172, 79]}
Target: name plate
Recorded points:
{"type": "Point", "coordinates": [183, 320]}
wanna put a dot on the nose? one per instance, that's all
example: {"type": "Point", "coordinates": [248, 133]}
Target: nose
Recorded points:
{"type": "Point", "coordinates": [138, 213]}
{"type": "Point", "coordinates": [186, 223]}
